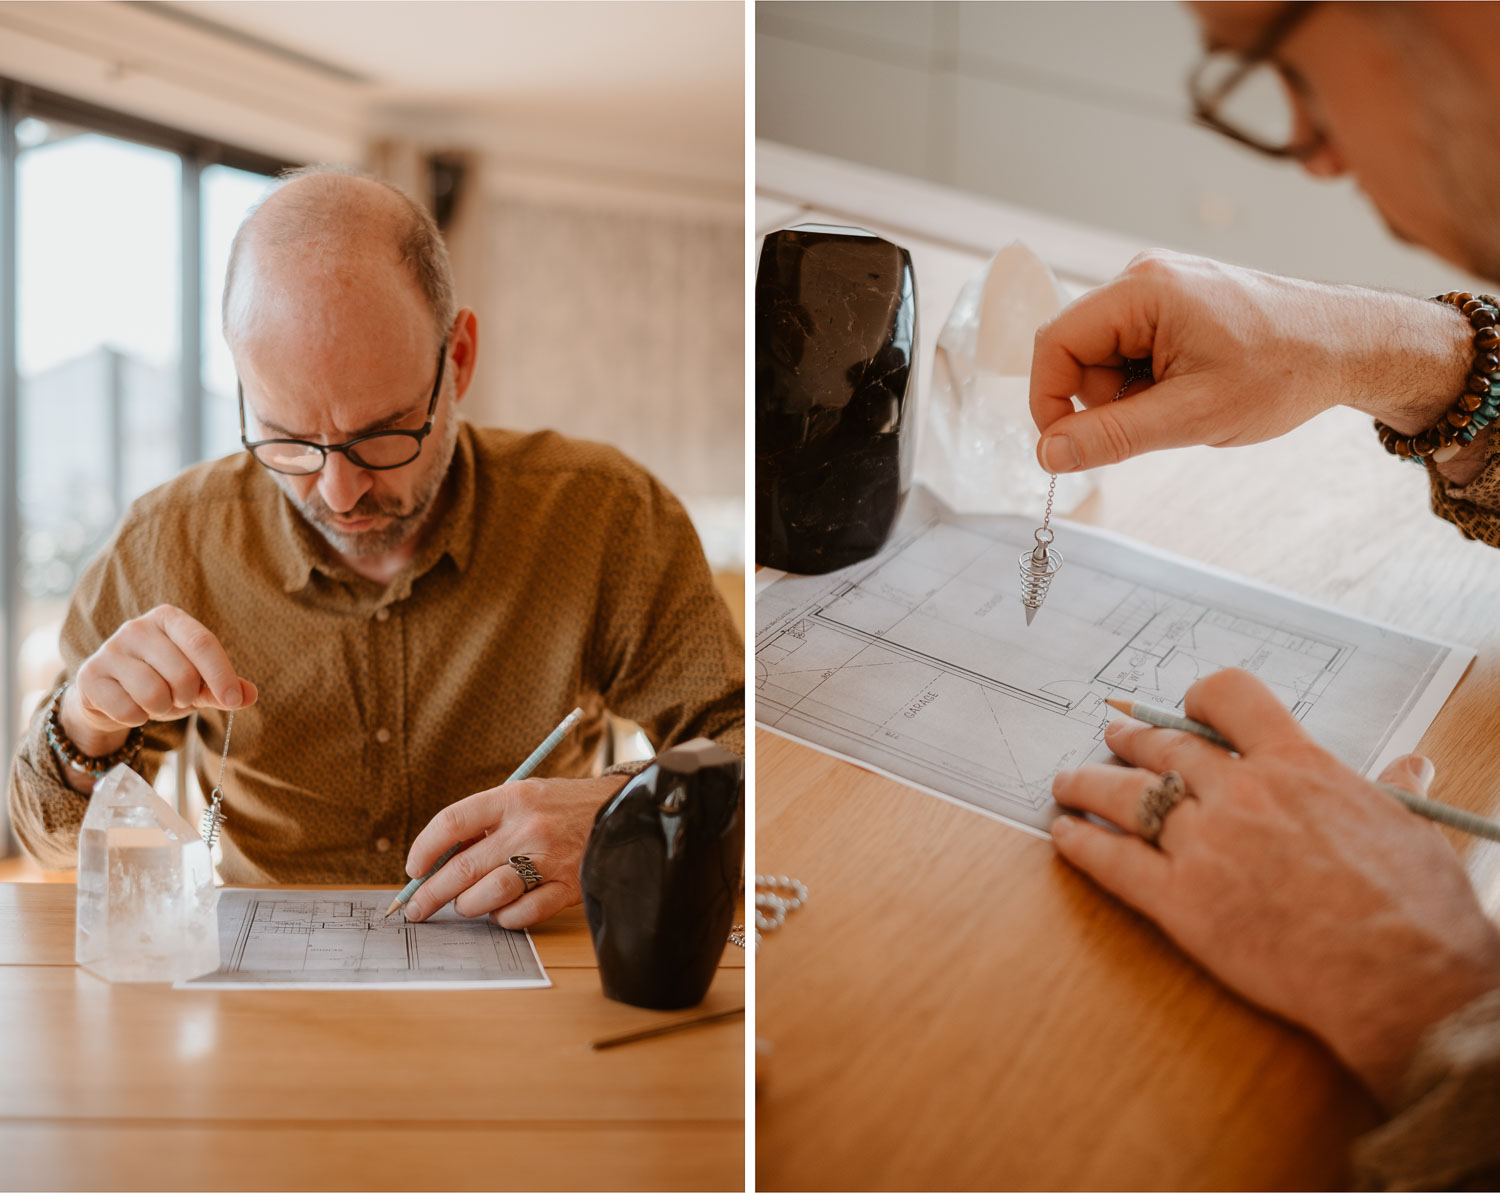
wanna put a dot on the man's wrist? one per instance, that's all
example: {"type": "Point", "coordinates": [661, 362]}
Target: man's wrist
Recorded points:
{"type": "Point", "coordinates": [1414, 364]}
{"type": "Point", "coordinates": [88, 737]}
{"type": "Point", "coordinates": [1379, 1044]}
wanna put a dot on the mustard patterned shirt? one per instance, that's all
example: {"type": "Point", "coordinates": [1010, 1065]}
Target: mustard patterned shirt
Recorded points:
{"type": "Point", "coordinates": [558, 573]}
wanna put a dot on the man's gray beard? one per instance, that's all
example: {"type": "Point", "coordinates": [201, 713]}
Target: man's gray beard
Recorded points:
{"type": "Point", "coordinates": [403, 524]}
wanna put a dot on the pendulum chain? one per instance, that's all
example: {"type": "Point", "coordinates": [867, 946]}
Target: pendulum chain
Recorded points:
{"type": "Point", "coordinates": [1039, 565]}
{"type": "Point", "coordinates": [213, 815]}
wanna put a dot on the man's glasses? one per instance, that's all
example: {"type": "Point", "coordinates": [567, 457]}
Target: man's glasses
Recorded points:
{"type": "Point", "coordinates": [1254, 100]}
{"type": "Point", "coordinates": [378, 450]}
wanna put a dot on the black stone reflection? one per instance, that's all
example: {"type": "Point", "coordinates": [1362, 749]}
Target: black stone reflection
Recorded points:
{"type": "Point", "coordinates": [661, 873]}
{"type": "Point", "coordinates": [835, 336]}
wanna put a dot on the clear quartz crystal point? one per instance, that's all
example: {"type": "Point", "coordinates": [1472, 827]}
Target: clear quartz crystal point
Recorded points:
{"type": "Point", "coordinates": [147, 906]}
{"type": "Point", "coordinates": [978, 446]}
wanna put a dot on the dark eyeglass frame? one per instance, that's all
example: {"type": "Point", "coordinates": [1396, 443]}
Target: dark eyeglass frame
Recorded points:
{"type": "Point", "coordinates": [1206, 106]}
{"type": "Point", "coordinates": [347, 447]}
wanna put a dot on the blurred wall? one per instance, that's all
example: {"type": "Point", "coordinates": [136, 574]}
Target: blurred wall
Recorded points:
{"type": "Point", "coordinates": [1078, 109]}
{"type": "Point", "coordinates": [624, 326]}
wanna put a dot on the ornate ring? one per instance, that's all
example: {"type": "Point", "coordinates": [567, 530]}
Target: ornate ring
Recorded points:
{"type": "Point", "coordinates": [1157, 801]}
{"type": "Point", "coordinates": [521, 864]}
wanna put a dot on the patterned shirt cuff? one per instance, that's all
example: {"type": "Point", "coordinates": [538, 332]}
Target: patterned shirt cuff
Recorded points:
{"type": "Point", "coordinates": [1474, 508]}
{"type": "Point", "coordinates": [1443, 1135]}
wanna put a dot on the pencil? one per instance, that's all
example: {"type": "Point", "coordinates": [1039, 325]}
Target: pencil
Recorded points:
{"type": "Point", "coordinates": [541, 752]}
{"type": "Point", "coordinates": [1453, 817]}
{"type": "Point", "coordinates": [666, 1029]}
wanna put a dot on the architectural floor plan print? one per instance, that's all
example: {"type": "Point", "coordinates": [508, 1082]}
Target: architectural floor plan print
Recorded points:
{"type": "Point", "coordinates": [919, 662]}
{"type": "Point", "coordinates": [281, 939]}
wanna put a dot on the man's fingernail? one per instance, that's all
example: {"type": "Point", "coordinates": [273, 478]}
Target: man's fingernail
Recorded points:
{"type": "Point", "coordinates": [233, 697]}
{"type": "Point", "coordinates": [1061, 780]}
{"type": "Point", "coordinates": [1059, 454]}
{"type": "Point", "coordinates": [1062, 825]}
{"type": "Point", "coordinates": [1423, 769]}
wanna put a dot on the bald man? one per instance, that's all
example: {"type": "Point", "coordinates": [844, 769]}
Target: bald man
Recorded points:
{"type": "Point", "coordinates": [398, 606]}
{"type": "Point", "coordinates": [1289, 876]}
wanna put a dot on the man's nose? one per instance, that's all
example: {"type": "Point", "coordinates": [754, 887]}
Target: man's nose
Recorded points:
{"type": "Point", "coordinates": [341, 484]}
{"type": "Point", "coordinates": [1325, 163]}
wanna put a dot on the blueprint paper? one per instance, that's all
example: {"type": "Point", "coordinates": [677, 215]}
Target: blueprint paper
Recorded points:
{"type": "Point", "coordinates": [919, 664]}
{"type": "Point", "coordinates": [341, 940]}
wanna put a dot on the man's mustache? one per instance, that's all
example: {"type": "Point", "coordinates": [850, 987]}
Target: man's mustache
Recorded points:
{"type": "Point", "coordinates": [366, 507]}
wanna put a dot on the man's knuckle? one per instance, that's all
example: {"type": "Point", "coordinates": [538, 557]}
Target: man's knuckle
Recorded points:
{"type": "Point", "coordinates": [1180, 750]}
{"type": "Point", "coordinates": [1212, 686]}
{"type": "Point", "coordinates": [467, 868]}
{"type": "Point", "coordinates": [1150, 262]}
{"type": "Point", "coordinates": [153, 695]}
{"type": "Point", "coordinates": [449, 822]}
{"type": "Point", "coordinates": [184, 680]}
{"type": "Point", "coordinates": [199, 642]}
{"type": "Point", "coordinates": [1115, 437]}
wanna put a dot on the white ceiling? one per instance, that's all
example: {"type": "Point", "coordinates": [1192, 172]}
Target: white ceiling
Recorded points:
{"type": "Point", "coordinates": [657, 81]}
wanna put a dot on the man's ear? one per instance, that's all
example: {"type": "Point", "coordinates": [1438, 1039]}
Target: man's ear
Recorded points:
{"type": "Point", "coordinates": [464, 351]}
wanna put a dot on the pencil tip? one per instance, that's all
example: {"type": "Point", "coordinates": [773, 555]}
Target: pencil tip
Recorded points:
{"type": "Point", "coordinates": [1118, 705]}
{"type": "Point", "coordinates": [395, 903]}
{"type": "Point", "coordinates": [1030, 613]}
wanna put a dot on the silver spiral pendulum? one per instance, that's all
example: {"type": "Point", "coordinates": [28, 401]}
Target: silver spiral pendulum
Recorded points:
{"type": "Point", "coordinates": [213, 815]}
{"type": "Point", "coordinates": [1041, 563]}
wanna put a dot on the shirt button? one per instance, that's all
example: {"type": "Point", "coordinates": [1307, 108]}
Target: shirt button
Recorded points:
{"type": "Point", "coordinates": [382, 736]}
{"type": "Point", "coordinates": [382, 614]}
{"type": "Point", "coordinates": [383, 845]}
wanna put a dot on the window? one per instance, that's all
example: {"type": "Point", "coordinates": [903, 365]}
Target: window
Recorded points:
{"type": "Point", "coordinates": [114, 235]}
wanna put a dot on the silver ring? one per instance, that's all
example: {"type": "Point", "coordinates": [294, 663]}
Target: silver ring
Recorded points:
{"type": "Point", "coordinates": [1157, 801]}
{"type": "Point", "coordinates": [521, 864]}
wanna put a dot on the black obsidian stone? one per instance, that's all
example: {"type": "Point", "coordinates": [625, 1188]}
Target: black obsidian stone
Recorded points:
{"type": "Point", "coordinates": [835, 338]}
{"type": "Point", "coordinates": [660, 875]}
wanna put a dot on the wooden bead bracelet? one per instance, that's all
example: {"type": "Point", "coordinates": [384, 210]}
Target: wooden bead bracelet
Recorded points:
{"type": "Point", "coordinates": [64, 748]}
{"type": "Point", "coordinates": [1479, 404]}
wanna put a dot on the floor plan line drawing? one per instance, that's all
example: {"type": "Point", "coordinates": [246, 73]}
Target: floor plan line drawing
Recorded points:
{"type": "Point", "coordinates": [336, 939]}
{"type": "Point", "coordinates": [919, 663]}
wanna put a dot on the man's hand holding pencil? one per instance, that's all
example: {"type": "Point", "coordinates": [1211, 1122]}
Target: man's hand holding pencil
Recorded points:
{"type": "Point", "coordinates": [1290, 877]}
{"type": "Point", "coordinates": [547, 820]}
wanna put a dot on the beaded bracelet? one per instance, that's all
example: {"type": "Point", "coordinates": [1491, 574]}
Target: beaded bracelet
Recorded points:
{"type": "Point", "coordinates": [1478, 405]}
{"type": "Point", "coordinates": [76, 758]}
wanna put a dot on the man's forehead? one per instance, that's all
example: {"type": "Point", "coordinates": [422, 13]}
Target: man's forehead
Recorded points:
{"type": "Point", "coordinates": [1234, 24]}
{"type": "Point", "coordinates": [310, 414]}
{"type": "Point", "coordinates": [306, 383]}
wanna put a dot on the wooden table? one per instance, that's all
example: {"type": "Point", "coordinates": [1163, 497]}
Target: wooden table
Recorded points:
{"type": "Point", "coordinates": [956, 1008]}
{"type": "Point", "coordinates": [145, 1087]}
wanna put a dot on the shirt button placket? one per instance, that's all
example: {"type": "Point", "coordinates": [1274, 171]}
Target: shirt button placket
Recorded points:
{"type": "Point", "coordinates": [388, 785]}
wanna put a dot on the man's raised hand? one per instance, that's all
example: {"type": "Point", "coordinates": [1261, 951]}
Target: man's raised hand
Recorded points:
{"type": "Point", "coordinates": [160, 666]}
{"type": "Point", "coordinates": [1238, 357]}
